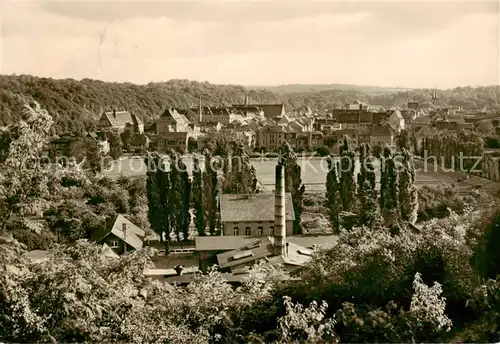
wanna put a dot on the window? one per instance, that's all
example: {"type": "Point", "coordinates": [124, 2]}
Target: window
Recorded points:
{"type": "Point", "coordinates": [260, 231]}
{"type": "Point", "coordinates": [271, 230]}
{"type": "Point", "coordinates": [113, 244]}
{"type": "Point", "coordinates": [248, 231]}
{"type": "Point", "coordinates": [236, 231]}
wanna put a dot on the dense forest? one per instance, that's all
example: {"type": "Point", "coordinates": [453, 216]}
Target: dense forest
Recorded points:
{"type": "Point", "coordinates": [75, 105]}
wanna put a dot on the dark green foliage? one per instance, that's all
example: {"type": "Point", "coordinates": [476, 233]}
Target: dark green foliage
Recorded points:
{"type": "Point", "coordinates": [158, 186]}
{"type": "Point", "coordinates": [347, 176]}
{"type": "Point", "coordinates": [198, 197]}
{"type": "Point", "coordinates": [366, 168]}
{"type": "Point", "coordinates": [486, 303]}
{"type": "Point", "coordinates": [457, 151]}
{"type": "Point", "coordinates": [75, 105]}
{"type": "Point", "coordinates": [486, 257]}
{"type": "Point", "coordinates": [293, 183]}
{"type": "Point", "coordinates": [437, 201]}
{"type": "Point", "coordinates": [492, 142]}
{"type": "Point", "coordinates": [115, 144]}
{"type": "Point", "coordinates": [180, 196]}
{"type": "Point", "coordinates": [408, 200]}
{"type": "Point", "coordinates": [389, 189]}
{"type": "Point", "coordinates": [323, 151]}
{"type": "Point", "coordinates": [403, 140]}
{"type": "Point", "coordinates": [192, 145]}
{"type": "Point", "coordinates": [240, 176]}
{"type": "Point", "coordinates": [334, 203]}
{"type": "Point", "coordinates": [211, 182]}
{"type": "Point", "coordinates": [369, 213]}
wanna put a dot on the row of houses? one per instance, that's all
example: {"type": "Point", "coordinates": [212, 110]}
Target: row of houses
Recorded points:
{"type": "Point", "coordinates": [266, 126]}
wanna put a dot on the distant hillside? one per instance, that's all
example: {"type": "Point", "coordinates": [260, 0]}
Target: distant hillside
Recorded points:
{"type": "Point", "coordinates": [75, 105]}
{"type": "Point", "coordinates": [307, 88]}
{"type": "Point", "coordinates": [466, 97]}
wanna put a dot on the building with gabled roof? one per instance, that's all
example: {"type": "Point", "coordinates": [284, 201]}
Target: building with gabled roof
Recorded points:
{"type": "Point", "coordinates": [252, 215]}
{"type": "Point", "coordinates": [120, 121]}
{"type": "Point", "coordinates": [275, 248]}
{"type": "Point", "coordinates": [171, 121]}
{"type": "Point", "coordinates": [120, 235]}
{"type": "Point", "coordinates": [382, 136]}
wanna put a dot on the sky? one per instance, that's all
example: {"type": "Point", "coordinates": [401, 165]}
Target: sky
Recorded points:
{"type": "Point", "coordinates": [402, 44]}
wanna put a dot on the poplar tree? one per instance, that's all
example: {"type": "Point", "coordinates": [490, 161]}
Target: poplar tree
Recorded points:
{"type": "Point", "coordinates": [240, 176]}
{"type": "Point", "coordinates": [367, 196]}
{"type": "Point", "coordinates": [211, 191]}
{"type": "Point", "coordinates": [403, 140]}
{"type": "Point", "coordinates": [408, 202]}
{"type": "Point", "coordinates": [366, 168]}
{"type": "Point", "coordinates": [198, 197]}
{"type": "Point", "coordinates": [334, 204]}
{"type": "Point", "coordinates": [185, 183]}
{"type": "Point", "coordinates": [389, 189]}
{"type": "Point", "coordinates": [293, 183]}
{"type": "Point", "coordinates": [347, 176]}
{"type": "Point", "coordinates": [369, 215]}
{"type": "Point", "coordinates": [158, 189]}
{"type": "Point", "coordinates": [175, 196]}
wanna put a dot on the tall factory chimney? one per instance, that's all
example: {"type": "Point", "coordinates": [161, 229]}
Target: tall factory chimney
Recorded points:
{"type": "Point", "coordinates": [279, 212]}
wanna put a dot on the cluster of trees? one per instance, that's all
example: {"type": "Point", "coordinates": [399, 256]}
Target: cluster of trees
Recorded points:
{"type": "Point", "coordinates": [351, 191]}
{"type": "Point", "coordinates": [467, 97]}
{"type": "Point", "coordinates": [75, 105]}
{"type": "Point", "coordinates": [74, 201]}
{"type": "Point", "coordinates": [437, 285]}
{"type": "Point", "coordinates": [293, 183]}
{"type": "Point", "coordinates": [226, 168]}
{"type": "Point", "coordinates": [168, 192]}
{"type": "Point", "coordinates": [451, 150]}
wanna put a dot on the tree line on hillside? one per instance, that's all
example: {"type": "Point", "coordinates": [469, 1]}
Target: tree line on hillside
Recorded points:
{"type": "Point", "coordinates": [76, 105]}
{"type": "Point", "coordinates": [351, 192]}
{"type": "Point", "coordinates": [469, 98]}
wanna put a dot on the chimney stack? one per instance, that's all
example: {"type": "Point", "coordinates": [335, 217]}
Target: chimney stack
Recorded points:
{"type": "Point", "coordinates": [279, 212]}
{"type": "Point", "coordinates": [124, 229]}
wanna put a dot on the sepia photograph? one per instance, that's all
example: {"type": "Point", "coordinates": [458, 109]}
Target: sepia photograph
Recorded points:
{"type": "Point", "coordinates": [259, 171]}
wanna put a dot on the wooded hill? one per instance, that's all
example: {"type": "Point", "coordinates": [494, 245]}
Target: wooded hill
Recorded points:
{"type": "Point", "coordinates": [75, 105]}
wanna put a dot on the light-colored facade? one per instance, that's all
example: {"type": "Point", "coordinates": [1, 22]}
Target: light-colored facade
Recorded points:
{"type": "Point", "coordinates": [272, 137]}
{"type": "Point", "coordinates": [171, 121]}
{"type": "Point", "coordinates": [396, 120]}
{"type": "Point", "coordinates": [252, 215]}
{"type": "Point", "coordinates": [253, 228]}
